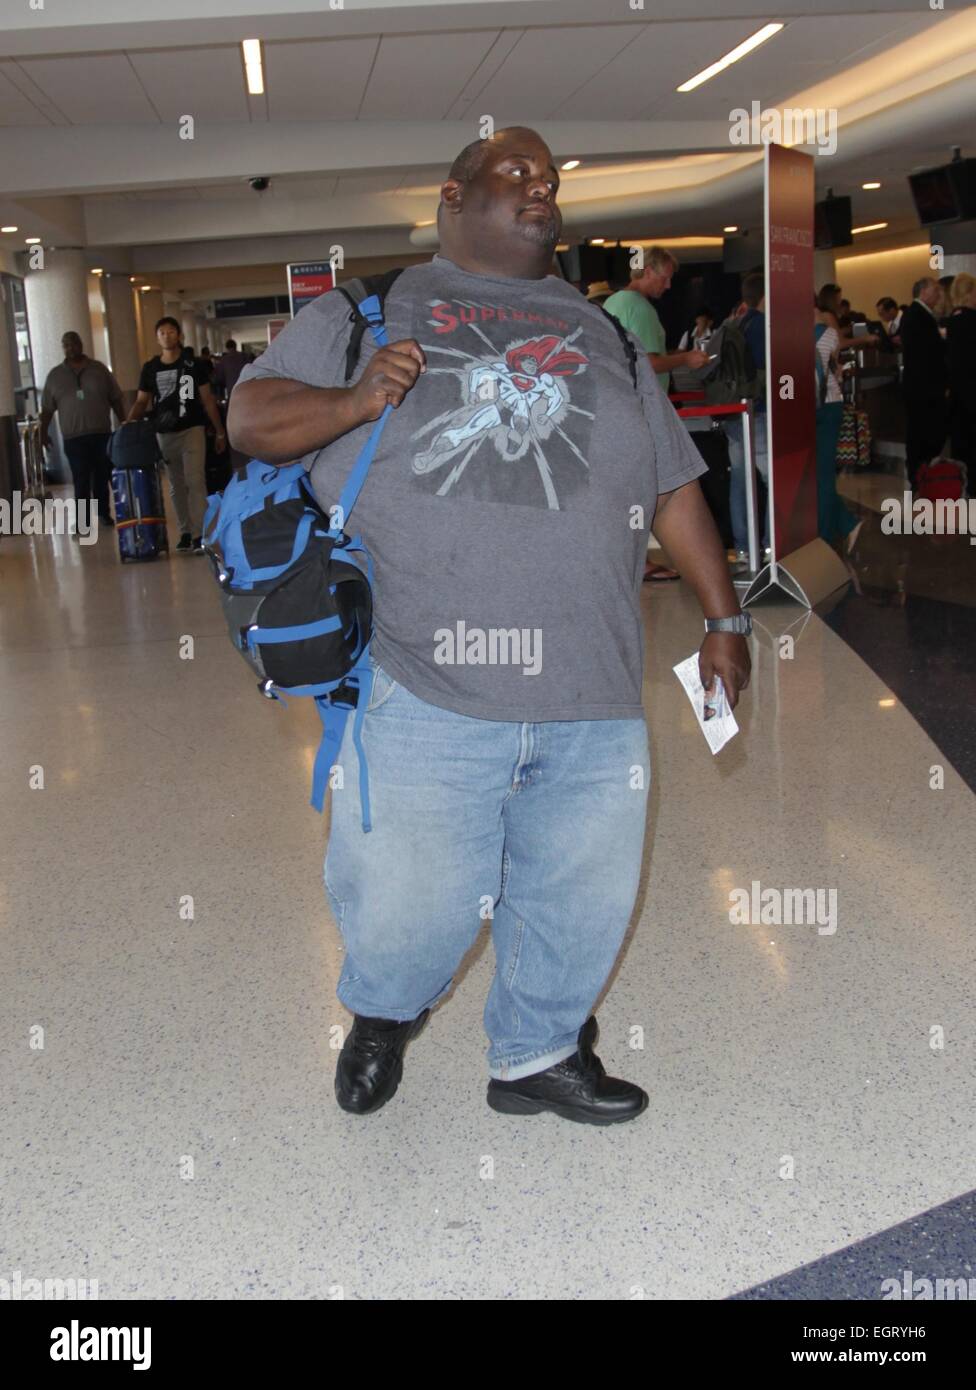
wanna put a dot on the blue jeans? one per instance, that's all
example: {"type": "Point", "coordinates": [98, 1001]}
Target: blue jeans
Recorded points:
{"type": "Point", "coordinates": [538, 828]}
{"type": "Point", "coordinates": [737, 482]}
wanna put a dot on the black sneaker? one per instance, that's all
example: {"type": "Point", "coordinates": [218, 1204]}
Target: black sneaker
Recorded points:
{"type": "Point", "coordinates": [370, 1064]}
{"type": "Point", "coordinates": [185, 543]}
{"type": "Point", "coordinates": [577, 1089]}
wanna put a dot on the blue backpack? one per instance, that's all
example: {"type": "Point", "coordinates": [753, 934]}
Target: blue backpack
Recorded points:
{"type": "Point", "coordinates": [296, 588]}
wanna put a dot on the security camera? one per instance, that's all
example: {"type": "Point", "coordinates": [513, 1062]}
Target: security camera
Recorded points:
{"type": "Point", "coordinates": [259, 184]}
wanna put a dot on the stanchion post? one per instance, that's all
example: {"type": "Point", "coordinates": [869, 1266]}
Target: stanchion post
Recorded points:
{"type": "Point", "coordinates": [752, 518]}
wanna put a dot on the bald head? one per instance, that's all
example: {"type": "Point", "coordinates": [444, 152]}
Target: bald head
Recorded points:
{"type": "Point", "coordinates": [498, 213]}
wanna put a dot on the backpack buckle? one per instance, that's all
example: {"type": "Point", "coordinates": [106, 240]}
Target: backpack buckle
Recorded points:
{"type": "Point", "coordinates": [345, 694]}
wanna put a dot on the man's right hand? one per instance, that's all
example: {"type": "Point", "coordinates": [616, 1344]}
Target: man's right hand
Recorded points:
{"type": "Point", "coordinates": [695, 359]}
{"type": "Point", "coordinates": [392, 371]}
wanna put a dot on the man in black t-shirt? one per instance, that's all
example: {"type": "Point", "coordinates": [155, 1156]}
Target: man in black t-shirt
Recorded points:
{"type": "Point", "coordinates": [176, 390]}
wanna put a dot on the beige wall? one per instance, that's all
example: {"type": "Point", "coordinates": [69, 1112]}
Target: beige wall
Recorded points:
{"type": "Point", "coordinates": [864, 279]}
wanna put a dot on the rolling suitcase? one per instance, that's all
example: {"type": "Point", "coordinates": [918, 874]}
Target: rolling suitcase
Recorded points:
{"type": "Point", "coordinates": [140, 521]}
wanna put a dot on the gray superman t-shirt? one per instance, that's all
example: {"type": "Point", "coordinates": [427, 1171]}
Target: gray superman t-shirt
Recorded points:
{"type": "Point", "coordinates": [508, 505]}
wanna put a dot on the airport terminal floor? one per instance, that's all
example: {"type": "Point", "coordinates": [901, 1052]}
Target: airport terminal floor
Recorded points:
{"type": "Point", "coordinates": [810, 1132]}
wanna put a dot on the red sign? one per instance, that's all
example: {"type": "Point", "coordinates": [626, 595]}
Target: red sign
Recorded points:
{"type": "Point", "coordinates": [307, 280]}
{"type": "Point", "coordinates": [790, 367]}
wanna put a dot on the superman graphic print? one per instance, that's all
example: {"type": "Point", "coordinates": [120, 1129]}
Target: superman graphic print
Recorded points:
{"type": "Point", "coordinates": [510, 407]}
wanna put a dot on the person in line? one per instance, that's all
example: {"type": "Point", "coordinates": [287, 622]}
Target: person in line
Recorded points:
{"type": "Point", "coordinates": [175, 389]}
{"type": "Point", "coordinates": [924, 378]}
{"type": "Point", "coordinates": [829, 308]}
{"type": "Point", "coordinates": [208, 364]}
{"type": "Point", "coordinates": [599, 292]}
{"type": "Point", "coordinates": [489, 784]}
{"type": "Point", "coordinates": [228, 370]}
{"type": "Point", "coordinates": [83, 393]}
{"type": "Point", "coordinates": [961, 364]}
{"type": "Point", "coordinates": [632, 307]}
{"type": "Point", "coordinates": [698, 334]}
{"type": "Point", "coordinates": [943, 310]}
{"type": "Point", "coordinates": [835, 522]}
{"type": "Point", "coordinates": [889, 313]}
{"type": "Point", "coordinates": [751, 320]}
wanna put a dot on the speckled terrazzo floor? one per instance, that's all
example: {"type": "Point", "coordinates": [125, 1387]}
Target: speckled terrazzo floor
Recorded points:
{"type": "Point", "coordinates": [936, 1245]}
{"type": "Point", "coordinates": [210, 1038]}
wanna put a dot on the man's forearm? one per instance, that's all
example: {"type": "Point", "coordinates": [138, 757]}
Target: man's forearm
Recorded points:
{"type": "Point", "coordinates": [684, 526]}
{"type": "Point", "coordinates": [279, 420]}
{"type": "Point", "coordinates": [210, 406]}
{"type": "Point", "coordinates": [667, 361]}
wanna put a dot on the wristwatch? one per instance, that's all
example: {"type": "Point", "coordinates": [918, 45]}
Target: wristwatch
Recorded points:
{"type": "Point", "coordinates": [741, 623]}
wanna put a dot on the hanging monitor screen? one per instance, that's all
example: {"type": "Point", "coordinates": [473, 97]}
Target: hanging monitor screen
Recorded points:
{"type": "Point", "coordinates": [934, 196]}
{"type": "Point", "coordinates": [832, 223]}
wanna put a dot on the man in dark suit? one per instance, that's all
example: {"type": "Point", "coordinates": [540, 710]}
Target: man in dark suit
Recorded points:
{"type": "Point", "coordinates": [889, 317]}
{"type": "Point", "coordinates": [924, 377]}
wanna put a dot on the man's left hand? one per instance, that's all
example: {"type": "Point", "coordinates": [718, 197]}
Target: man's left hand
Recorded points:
{"type": "Point", "coordinates": [725, 654]}
{"type": "Point", "coordinates": [220, 443]}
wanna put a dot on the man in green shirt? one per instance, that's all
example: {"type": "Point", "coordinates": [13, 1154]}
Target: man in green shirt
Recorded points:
{"type": "Point", "coordinates": [633, 308]}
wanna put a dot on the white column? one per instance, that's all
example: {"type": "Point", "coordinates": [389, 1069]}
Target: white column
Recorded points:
{"type": "Point", "coordinates": [10, 471]}
{"type": "Point", "coordinates": [824, 269]}
{"type": "Point", "coordinates": [189, 323]}
{"type": "Point", "coordinates": [7, 364]}
{"type": "Point", "coordinates": [57, 303]}
{"type": "Point", "coordinates": [98, 346]}
{"type": "Point", "coordinates": [123, 337]}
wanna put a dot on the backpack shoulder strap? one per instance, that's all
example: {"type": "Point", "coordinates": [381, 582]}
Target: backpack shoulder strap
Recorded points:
{"type": "Point", "coordinates": [360, 292]}
{"type": "Point", "coordinates": [629, 348]}
{"type": "Point", "coordinates": [367, 297]}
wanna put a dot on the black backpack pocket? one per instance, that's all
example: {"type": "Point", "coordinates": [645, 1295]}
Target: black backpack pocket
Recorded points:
{"type": "Point", "coordinates": [313, 625]}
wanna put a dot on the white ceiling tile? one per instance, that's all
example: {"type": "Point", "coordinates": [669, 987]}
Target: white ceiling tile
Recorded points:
{"type": "Point", "coordinates": [15, 107]}
{"type": "Point", "coordinates": [206, 83]}
{"type": "Point", "coordinates": [660, 56]}
{"type": "Point", "coordinates": [423, 74]}
{"type": "Point", "coordinates": [805, 53]}
{"type": "Point", "coordinates": [91, 89]}
{"type": "Point", "coordinates": [322, 80]}
{"type": "Point", "coordinates": [545, 65]}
